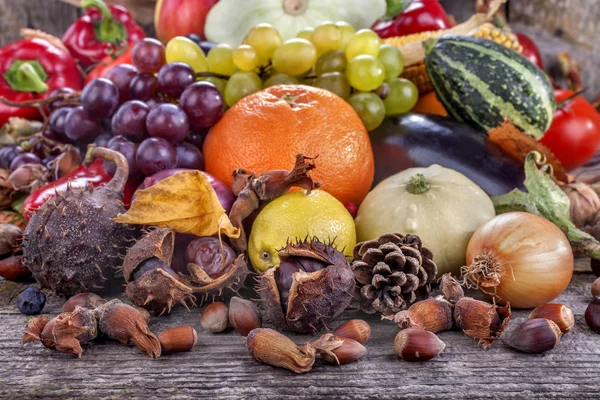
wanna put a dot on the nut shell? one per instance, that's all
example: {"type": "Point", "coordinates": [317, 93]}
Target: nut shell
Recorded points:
{"type": "Point", "coordinates": [85, 300]}
{"type": "Point", "coordinates": [560, 314]}
{"type": "Point", "coordinates": [271, 347]}
{"type": "Point", "coordinates": [414, 344]}
{"type": "Point", "coordinates": [481, 320]}
{"type": "Point", "coordinates": [315, 298]}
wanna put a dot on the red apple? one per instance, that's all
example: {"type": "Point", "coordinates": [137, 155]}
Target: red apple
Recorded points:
{"type": "Point", "coordinates": [180, 17]}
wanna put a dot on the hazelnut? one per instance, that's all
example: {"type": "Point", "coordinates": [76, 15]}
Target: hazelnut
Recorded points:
{"type": "Point", "coordinates": [535, 336]}
{"type": "Point", "coordinates": [560, 314]}
{"type": "Point", "coordinates": [244, 315]}
{"type": "Point", "coordinates": [596, 288]}
{"type": "Point", "coordinates": [415, 344]}
{"type": "Point", "coordinates": [433, 315]}
{"type": "Point", "coordinates": [592, 315]}
{"type": "Point", "coordinates": [481, 320]}
{"type": "Point", "coordinates": [182, 338]}
{"type": "Point", "coordinates": [85, 300]}
{"type": "Point", "coordinates": [215, 317]}
{"type": "Point", "coordinates": [124, 323]}
{"type": "Point", "coordinates": [338, 350]}
{"type": "Point", "coordinates": [355, 329]}
{"type": "Point", "coordinates": [450, 289]}
{"type": "Point", "coordinates": [271, 347]}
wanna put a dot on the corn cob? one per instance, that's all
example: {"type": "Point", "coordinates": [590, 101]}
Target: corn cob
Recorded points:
{"type": "Point", "coordinates": [417, 73]}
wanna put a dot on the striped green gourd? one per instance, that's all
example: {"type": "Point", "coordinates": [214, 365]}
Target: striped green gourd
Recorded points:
{"type": "Point", "coordinates": [481, 82]}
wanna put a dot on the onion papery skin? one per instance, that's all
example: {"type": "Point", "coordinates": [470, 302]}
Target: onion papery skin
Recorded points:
{"type": "Point", "coordinates": [529, 248]}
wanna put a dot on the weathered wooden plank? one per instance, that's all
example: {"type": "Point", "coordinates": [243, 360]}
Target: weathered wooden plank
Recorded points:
{"type": "Point", "coordinates": [219, 367]}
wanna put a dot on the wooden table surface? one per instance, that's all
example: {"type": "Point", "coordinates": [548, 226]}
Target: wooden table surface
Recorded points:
{"type": "Point", "coordinates": [219, 367]}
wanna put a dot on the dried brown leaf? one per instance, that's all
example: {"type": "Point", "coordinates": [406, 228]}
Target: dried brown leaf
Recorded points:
{"type": "Point", "coordinates": [185, 202]}
{"type": "Point", "coordinates": [517, 144]}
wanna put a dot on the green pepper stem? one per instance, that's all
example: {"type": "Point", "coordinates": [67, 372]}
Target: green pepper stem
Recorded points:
{"type": "Point", "coordinates": [108, 29]}
{"type": "Point", "coordinates": [100, 5]}
{"type": "Point", "coordinates": [418, 184]}
{"type": "Point", "coordinates": [29, 74]}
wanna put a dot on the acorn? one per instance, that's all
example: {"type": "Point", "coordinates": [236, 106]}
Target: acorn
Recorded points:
{"type": "Point", "coordinates": [560, 314]}
{"type": "Point", "coordinates": [481, 320]}
{"type": "Point", "coordinates": [355, 329]}
{"type": "Point", "coordinates": [215, 317]}
{"type": "Point", "coordinates": [535, 336]}
{"type": "Point", "coordinates": [182, 338]}
{"type": "Point", "coordinates": [415, 344]}
{"type": "Point", "coordinates": [433, 315]}
{"type": "Point", "coordinates": [311, 286]}
{"type": "Point", "coordinates": [244, 315]}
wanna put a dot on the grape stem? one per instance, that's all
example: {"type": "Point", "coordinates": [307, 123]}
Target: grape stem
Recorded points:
{"type": "Point", "coordinates": [211, 75]}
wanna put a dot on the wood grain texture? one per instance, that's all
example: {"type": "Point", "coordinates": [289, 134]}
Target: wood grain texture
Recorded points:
{"type": "Point", "coordinates": [219, 367]}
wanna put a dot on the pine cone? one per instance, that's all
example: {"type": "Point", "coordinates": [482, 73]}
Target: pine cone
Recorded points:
{"type": "Point", "coordinates": [392, 272]}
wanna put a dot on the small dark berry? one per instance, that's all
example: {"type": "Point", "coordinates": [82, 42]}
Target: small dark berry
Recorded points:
{"type": "Point", "coordinates": [31, 301]}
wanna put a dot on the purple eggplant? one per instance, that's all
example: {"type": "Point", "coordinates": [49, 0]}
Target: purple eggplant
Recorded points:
{"type": "Point", "coordinates": [419, 140]}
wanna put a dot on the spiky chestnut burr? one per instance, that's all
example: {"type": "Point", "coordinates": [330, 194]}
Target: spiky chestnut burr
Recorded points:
{"type": "Point", "coordinates": [152, 284]}
{"type": "Point", "coordinates": [312, 285]}
{"type": "Point", "coordinates": [71, 243]}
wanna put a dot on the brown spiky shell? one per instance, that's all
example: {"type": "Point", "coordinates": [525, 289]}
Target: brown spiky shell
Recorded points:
{"type": "Point", "coordinates": [71, 243]}
{"type": "Point", "coordinates": [315, 298]}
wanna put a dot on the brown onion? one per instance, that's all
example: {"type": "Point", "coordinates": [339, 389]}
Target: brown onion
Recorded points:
{"type": "Point", "coordinates": [519, 258]}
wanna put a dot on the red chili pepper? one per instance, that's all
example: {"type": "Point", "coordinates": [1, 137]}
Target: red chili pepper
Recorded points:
{"type": "Point", "coordinates": [95, 174]}
{"type": "Point", "coordinates": [102, 68]}
{"type": "Point", "coordinates": [414, 17]}
{"type": "Point", "coordinates": [101, 31]}
{"type": "Point", "coordinates": [31, 69]}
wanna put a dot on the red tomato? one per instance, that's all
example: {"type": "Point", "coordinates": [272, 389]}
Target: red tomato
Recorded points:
{"type": "Point", "coordinates": [530, 50]}
{"type": "Point", "coordinates": [574, 135]}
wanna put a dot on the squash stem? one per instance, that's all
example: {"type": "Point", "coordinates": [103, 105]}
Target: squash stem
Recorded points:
{"type": "Point", "coordinates": [418, 184]}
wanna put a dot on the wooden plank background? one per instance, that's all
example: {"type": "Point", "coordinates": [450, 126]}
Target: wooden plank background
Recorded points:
{"type": "Point", "coordinates": [219, 367]}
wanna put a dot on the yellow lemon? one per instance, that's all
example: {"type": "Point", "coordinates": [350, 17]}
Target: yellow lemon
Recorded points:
{"type": "Point", "coordinates": [295, 216]}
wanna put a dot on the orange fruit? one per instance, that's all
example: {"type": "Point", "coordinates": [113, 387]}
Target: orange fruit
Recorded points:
{"type": "Point", "coordinates": [264, 131]}
{"type": "Point", "coordinates": [429, 104]}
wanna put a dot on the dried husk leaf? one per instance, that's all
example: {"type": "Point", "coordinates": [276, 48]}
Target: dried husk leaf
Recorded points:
{"type": "Point", "coordinates": [29, 177]}
{"type": "Point", "coordinates": [517, 144]}
{"type": "Point", "coordinates": [68, 161]}
{"type": "Point", "coordinates": [34, 329]}
{"type": "Point", "coordinates": [125, 323]}
{"type": "Point", "coordinates": [73, 329]}
{"type": "Point", "coordinates": [185, 202]}
{"type": "Point", "coordinates": [414, 53]}
{"type": "Point", "coordinates": [7, 191]}
{"type": "Point", "coordinates": [479, 320]}
{"type": "Point", "coordinates": [450, 289]}
{"type": "Point", "coordinates": [271, 347]}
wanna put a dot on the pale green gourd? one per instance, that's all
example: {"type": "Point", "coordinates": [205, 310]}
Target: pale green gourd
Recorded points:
{"type": "Point", "coordinates": [230, 20]}
{"type": "Point", "coordinates": [442, 206]}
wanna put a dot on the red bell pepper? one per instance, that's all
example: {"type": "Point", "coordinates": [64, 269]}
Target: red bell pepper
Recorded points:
{"type": "Point", "coordinates": [31, 69]}
{"type": "Point", "coordinates": [101, 31]}
{"type": "Point", "coordinates": [95, 174]}
{"type": "Point", "coordinates": [107, 63]}
{"type": "Point", "coordinates": [408, 17]}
